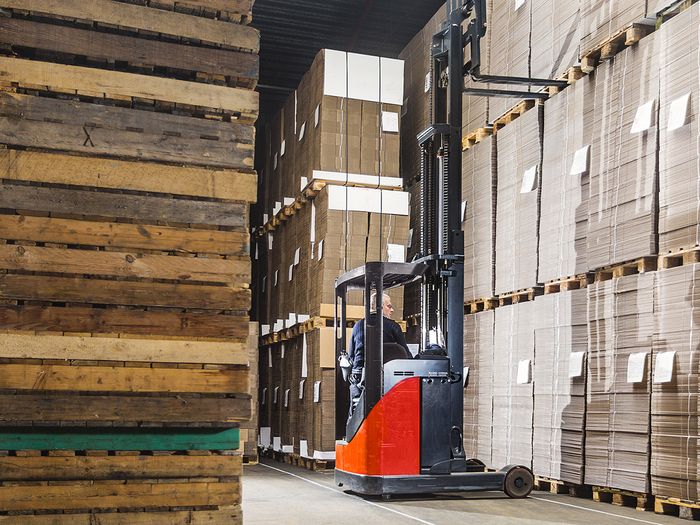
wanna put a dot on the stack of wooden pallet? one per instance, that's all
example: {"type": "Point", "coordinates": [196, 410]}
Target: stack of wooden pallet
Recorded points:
{"type": "Point", "coordinates": [332, 201]}
{"type": "Point", "coordinates": [126, 167]}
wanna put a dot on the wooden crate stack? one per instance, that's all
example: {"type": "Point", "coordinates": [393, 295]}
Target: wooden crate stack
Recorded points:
{"type": "Point", "coordinates": [127, 136]}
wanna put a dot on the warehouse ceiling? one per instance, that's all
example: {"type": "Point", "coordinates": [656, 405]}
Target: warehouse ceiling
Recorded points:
{"type": "Point", "coordinates": [293, 31]}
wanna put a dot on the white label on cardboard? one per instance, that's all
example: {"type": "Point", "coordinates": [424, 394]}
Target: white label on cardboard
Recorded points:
{"type": "Point", "coordinates": [312, 232]}
{"type": "Point", "coordinates": [519, 4]}
{"type": "Point", "coordinates": [523, 372]}
{"type": "Point", "coordinates": [277, 208]}
{"type": "Point", "coordinates": [409, 240]}
{"type": "Point", "coordinates": [304, 182]}
{"type": "Point", "coordinates": [277, 444]}
{"type": "Point", "coordinates": [303, 317]}
{"type": "Point", "coordinates": [264, 396]}
{"type": "Point", "coordinates": [270, 240]}
{"type": "Point", "coordinates": [317, 115]}
{"type": "Point", "coordinates": [269, 357]}
{"type": "Point", "coordinates": [317, 391]}
{"type": "Point", "coordinates": [265, 433]}
{"type": "Point", "coordinates": [304, 356]}
{"type": "Point", "coordinates": [291, 272]}
{"type": "Point", "coordinates": [678, 112]}
{"type": "Point", "coordinates": [464, 210]}
{"type": "Point", "coordinates": [301, 388]}
{"type": "Point", "coordinates": [529, 180]}
{"type": "Point", "coordinates": [277, 273]}
{"type": "Point", "coordinates": [266, 218]}
{"type": "Point", "coordinates": [576, 364]}
{"type": "Point", "coordinates": [282, 351]}
{"type": "Point", "coordinates": [465, 376]}
{"type": "Point", "coordinates": [635, 367]}
{"type": "Point", "coordinates": [256, 250]}
{"type": "Point", "coordinates": [320, 250]}
{"type": "Point", "coordinates": [581, 160]}
{"type": "Point", "coordinates": [395, 253]}
{"type": "Point", "coordinates": [643, 119]}
{"type": "Point", "coordinates": [275, 394]}
{"type": "Point", "coordinates": [283, 148]}
{"type": "Point", "coordinates": [274, 162]}
{"type": "Point", "coordinates": [428, 82]}
{"type": "Point", "coordinates": [287, 449]}
{"type": "Point", "coordinates": [264, 329]}
{"type": "Point", "coordinates": [286, 398]}
{"type": "Point", "coordinates": [302, 131]}
{"type": "Point", "coordinates": [279, 324]}
{"type": "Point", "coordinates": [413, 348]}
{"type": "Point", "coordinates": [303, 448]}
{"type": "Point", "coordinates": [288, 201]}
{"type": "Point", "coordinates": [291, 320]}
{"type": "Point", "coordinates": [663, 367]}
{"type": "Point", "coordinates": [297, 255]}
{"type": "Point", "coordinates": [390, 122]}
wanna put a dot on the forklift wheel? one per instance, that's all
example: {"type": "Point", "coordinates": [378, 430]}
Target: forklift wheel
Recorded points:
{"type": "Point", "coordinates": [518, 482]}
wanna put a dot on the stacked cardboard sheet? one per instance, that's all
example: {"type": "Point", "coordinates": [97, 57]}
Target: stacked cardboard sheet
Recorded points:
{"type": "Point", "coordinates": [559, 373]}
{"type": "Point", "coordinates": [565, 182]}
{"type": "Point", "coordinates": [555, 37]}
{"type": "Point", "coordinates": [518, 202]}
{"type": "Point", "coordinates": [478, 358]}
{"type": "Point", "coordinates": [513, 356]}
{"type": "Point", "coordinates": [679, 194]}
{"type": "Point", "coordinates": [674, 398]}
{"type": "Point", "coordinates": [623, 193]}
{"type": "Point", "coordinates": [125, 261]}
{"type": "Point", "coordinates": [479, 203]}
{"type": "Point", "coordinates": [620, 328]}
{"type": "Point", "coordinates": [602, 20]}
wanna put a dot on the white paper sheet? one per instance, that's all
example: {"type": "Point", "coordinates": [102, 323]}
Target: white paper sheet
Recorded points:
{"type": "Point", "coordinates": [465, 376]}
{"type": "Point", "coordinates": [581, 161]}
{"type": "Point", "coordinates": [264, 436]}
{"type": "Point", "coordinates": [523, 372]}
{"type": "Point", "coordinates": [317, 391]}
{"type": "Point", "coordinates": [304, 356]}
{"type": "Point", "coordinates": [519, 4]}
{"type": "Point", "coordinates": [275, 395]}
{"type": "Point", "coordinates": [643, 118]}
{"type": "Point", "coordinates": [277, 444]}
{"type": "Point", "coordinates": [282, 349]}
{"type": "Point", "coordinates": [302, 131]}
{"type": "Point", "coordinates": [312, 232]}
{"type": "Point", "coordinates": [303, 448]}
{"type": "Point", "coordinates": [663, 367]}
{"type": "Point", "coordinates": [266, 218]}
{"type": "Point", "coordinates": [409, 241]}
{"type": "Point", "coordinates": [529, 180]}
{"type": "Point", "coordinates": [274, 162]}
{"type": "Point", "coordinates": [270, 240]}
{"type": "Point", "coordinates": [395, 253]}
{"type": "Point", "coordinates": [256, 250]}
{"type": "Point", "coordinates": [320, 250]}
{"type": "Point", "coordinates": [636, 365]}
{"type": "Point", "coordinates": [303, 183]}
{"type": "Point", "coordinates": [317, 115]}
{"type": "Point", "coordinates": [283, 148]}
{"type": "Point", "coordinates": [286, 398]}
{"type": "Point", "coordinates": [264, 329]}
{"type": "Point", "coordinates": [269, 357]}
{"type": "Point", "coordinates": [390, 122]}
{"type": "Point", "coordinates": [428, 82]}
{"type": "Point", "coordinates": [264, 396]}
{"type": "Point", "coordinates": [277, 272]}
{"type": "Point", "coordinates": [297, 254]}
{"type": "Point", "coordinates": [290, 272]}
{"type": "Point", "coordinates": [576, 364]}
{"type": "Point", "coordinates": [464, 210]}
{"type": "Point", "coordinates": [678, 112]}
{"type": "Point", "coordinates": [301, 388]}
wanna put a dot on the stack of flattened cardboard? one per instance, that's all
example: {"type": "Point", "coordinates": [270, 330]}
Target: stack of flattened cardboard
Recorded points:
{"type": "Point", "coordinates": [479, 204]}
{"type": "Point", "coordinates": [478, 356]}
{"type": "Point", "coordinates": [679, 194]}
{"type": "Point", "coordinates": [555, 37]}
{"type": "Point", "coordinates": [513, 356]}
{"type": "Point", "coordinates": [561, 341]}
{"type": "Point", "coordinates": [518, 202]}
{"type": "Point", "coordinates": [623, 195]}
{"type": "Point", "coordinates": [620, 328]}
{"type": "Point", "coordinates": [602, 20]}
{"type": "Point", "coordinates": [565, 167]}
{"type": "Point", "coordinates": [674, 398]}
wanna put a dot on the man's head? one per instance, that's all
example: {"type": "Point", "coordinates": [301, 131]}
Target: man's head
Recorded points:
{"type": "Point", "coordinates": [387, 308]}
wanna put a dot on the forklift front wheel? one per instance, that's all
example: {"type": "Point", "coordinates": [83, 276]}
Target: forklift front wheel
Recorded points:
{"type": "Point", "coordinates": [518, 483]}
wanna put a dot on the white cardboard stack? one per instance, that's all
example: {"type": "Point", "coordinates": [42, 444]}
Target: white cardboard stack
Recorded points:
{"type": "Point", "coordinates": [513, 355]}
{"type": "Point", "coordinates": [559, 374]}
{"type": "Point", "coordinates": [620, 328]}
{"type": "Point", "coordinates": [679, 140]}
{"type": "Point", "coordinates": [517, 214]}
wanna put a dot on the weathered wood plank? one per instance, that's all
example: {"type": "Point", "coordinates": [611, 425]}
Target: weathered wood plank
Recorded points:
{"type": "Point", "coordinates": [57, 168]}
{"type": "Point", "coordinates": [122, 379]}
{"type": "Point", "coordinates": [138, 17]}
{"type": "Point", "coordinates": [117, 205]}
{"type": "Point", "coordinates": [117, 320]}
{"type": "Point", "coordinates": [226, 6]}
{"type": "Point", "coordinates": [107, 46]}
{"type": "Point", "coordinates": [23, 346]}
{"type": "Point", "coordinates": [95, 129]}
{"type": "Point", "coordinates": [28, 408]}
{"type": "Point", "coordinates": [228, 516]}
{"type": "Point", "coordinates": [100, 291]}
{"type": "Point", "coordinates": [234, 272]}
{"type": "Point", "coordinates": [123, 236]}
{"type": "Point", "coordinates": [118, 467]}
{"type": "Point", "coordinates": [119, 439]}
{"type": "Point", "coordinates": [115, 84]}
{"type": "Point", "coordinates": [130, 495]}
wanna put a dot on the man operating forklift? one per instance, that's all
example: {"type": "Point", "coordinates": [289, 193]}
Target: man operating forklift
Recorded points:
{"type": "Point", "coordinates": [393, 336]}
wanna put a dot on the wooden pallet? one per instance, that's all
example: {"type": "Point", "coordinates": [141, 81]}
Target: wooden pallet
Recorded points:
{"type": "Point", "coordinates": [520, 296]}
{"type": "Point", "coordinates": [476, 136]}
{"type": "Point", "coordinates": [571, 75]}
{"type": "Point", "coordinates": [480, 305]}
{"type": "Point", "coordinates": [613, 45]}
{"type": "Point", "coordinates": [219, 10]}
{"type": "Point", "coordinates": [674, 9]}
{"type": "Point", "coordinates": [512, 114]}
{"type": "Point", "coordinates": [689, 510]}
{"type": "Point", "coordinates": [622, 498]}
{"type": "Point", "coordinates": [556, 486]}
{"type": "Point", "coordinates": [250, 459]}
{"type": "Point", "coordinates": [680, 258]}
{"type": "Point", "coordinates": [309, 463]}
{"type": "Point", "coordinates": [575, 282]}
{"type": "Point", "coordinates": [636, 266]}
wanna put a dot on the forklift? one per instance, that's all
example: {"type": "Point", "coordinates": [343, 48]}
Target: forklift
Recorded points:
{"type": "Point", "coordinates": [405, 433]}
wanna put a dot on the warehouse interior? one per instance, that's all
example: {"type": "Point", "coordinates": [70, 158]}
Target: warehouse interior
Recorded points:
{"type": "Point", "coordinates": [424, 261]}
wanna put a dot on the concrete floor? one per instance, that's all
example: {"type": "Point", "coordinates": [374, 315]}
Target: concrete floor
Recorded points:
{"type": "Point", "coordinates": [276, 493]}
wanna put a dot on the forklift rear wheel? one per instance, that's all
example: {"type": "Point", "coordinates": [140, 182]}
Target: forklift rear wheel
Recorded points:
{"type": "Point", "coordinates": [518, 482]}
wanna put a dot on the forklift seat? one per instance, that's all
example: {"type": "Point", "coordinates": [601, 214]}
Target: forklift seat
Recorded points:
{"type": "Point", "coordinates": [395, 351]}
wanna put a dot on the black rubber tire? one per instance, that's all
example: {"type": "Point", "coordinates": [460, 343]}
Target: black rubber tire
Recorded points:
{"type": "Point", "coordinates": [518, 483]}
